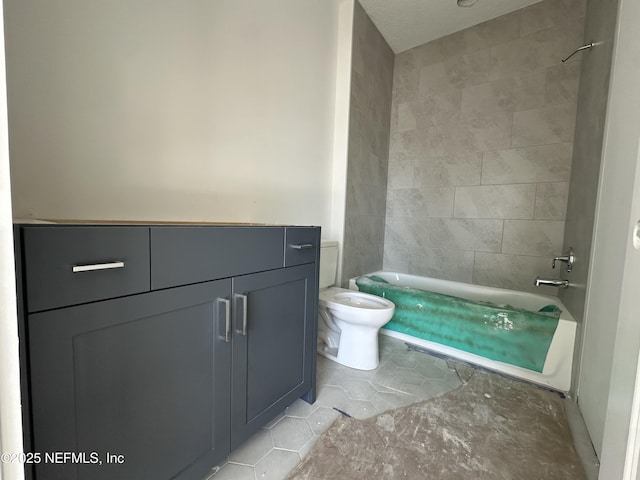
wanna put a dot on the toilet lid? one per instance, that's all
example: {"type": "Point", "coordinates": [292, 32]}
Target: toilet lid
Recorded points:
{"type": "Point", "coordinates": [353, 298]}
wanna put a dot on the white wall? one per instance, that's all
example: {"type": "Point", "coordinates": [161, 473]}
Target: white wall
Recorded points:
{"type": "Point", "coordinates": [341, 128]}
{"type": "Point", "coordinates": [615, 277]}
{"type": "Point", "coordinates": [10, 415]}
{"type": "Point", "coordinates": [163, 110]}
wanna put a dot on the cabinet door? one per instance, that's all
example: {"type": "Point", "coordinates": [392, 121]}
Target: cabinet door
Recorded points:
{"type": "Point", "coordinates": [273, 345]}
{"type": "Point", "coordinates": [145, 377]}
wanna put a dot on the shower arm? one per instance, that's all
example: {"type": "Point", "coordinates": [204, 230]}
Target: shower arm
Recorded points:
{"type": "Point", "coordinates": [583, 47]}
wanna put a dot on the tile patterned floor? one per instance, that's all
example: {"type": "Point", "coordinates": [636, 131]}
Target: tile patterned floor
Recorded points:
{"type": "Point", "coordinates": [403, 377]}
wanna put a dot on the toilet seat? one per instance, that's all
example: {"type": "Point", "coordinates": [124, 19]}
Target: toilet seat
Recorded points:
{"type": "Point", "coordinates": [363, 308]}
{"type": "Point", "coordinates": [353, 299]}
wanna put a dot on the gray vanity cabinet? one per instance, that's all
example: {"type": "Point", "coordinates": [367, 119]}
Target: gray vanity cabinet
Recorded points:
{"type": "Point", "coordinates": [270, 344]}
{"type": "Point", "coordinates": [161, 346]}
{"type": "Point", "coordinates": [145, 376]}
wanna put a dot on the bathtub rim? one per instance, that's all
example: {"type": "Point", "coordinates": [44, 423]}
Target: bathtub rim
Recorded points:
{"type": "Point", "coordinates": [549, 299]}
{"type": "Point", "coordinates": [557, 370]}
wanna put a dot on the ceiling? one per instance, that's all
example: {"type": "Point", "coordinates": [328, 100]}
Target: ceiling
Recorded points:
{"type": "Point", "coordinates": [408, 23]}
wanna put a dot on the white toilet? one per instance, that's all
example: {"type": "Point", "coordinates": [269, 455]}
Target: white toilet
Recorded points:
{"type": "Point", "coordinates": [349, 321]}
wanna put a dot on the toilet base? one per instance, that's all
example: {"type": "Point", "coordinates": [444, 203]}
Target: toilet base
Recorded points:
{"type": "Point", "coordinates": [335, 359]}
{"type": "Point", "coordinates": [358, 348]}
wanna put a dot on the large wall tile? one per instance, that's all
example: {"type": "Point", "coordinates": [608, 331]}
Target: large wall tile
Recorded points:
{"type": "Point", "coordinates": [513, 272]}
{"type": "Point", "coordinates": [429, 111]}
{"type": "Point", "coordinates": [364, 259]}
{"type": "Point", "coordinates": [396, 259]}
{"type": "Point", "coordinates": [420, 56]}
{"type": "Point", "coordinates": [550, 13]}
{"type": "Point", "coordinates": [551, 201]}
{"type": "Point", "coordinates": [545, 163]}
{"type": "Point", "coordinates": [505, 95]}
{"type": "Point", "coordinates": [448, 171]}
{"type": "Point", "coordinates": [539, 50]}
{"type": "Point", "coordinates": [542, 126]}
{"type": "Point", "coordinates": [375, 171]}
{"type": "Point", "coordinates": [363, 229]}
{"type": "Point", "coordinates": [437, 201]}
{"type": "Point", "coordinates": [467, 234]}
{"type": "Point", "coordinates": [417, 142]}
{"type": "Point", "coordinates": [401, 171]}
{"type": "Point", "coordinates": [533, 237]}
{"type": "Point", "coordinates": [455, 73]}
{"type": "Point", "coordinates": [406, 119]}
{"type": "Point", "coordinates": [409, 234]}
{"type": "Point", "coordinates": [495, 201]}
{"type": "Point", "coordinates": [483, 118]}
{"type": "Point", "coordinates": [475, 135]}
{"type": "Point", "coordinates": [369, 145]}
{"type": "Point", "coordinates": [440, 263]}
{"type": "Point", "coordinates": [405, 82]}
{"type": "Point", "coordinates": [366, 199]}
{"type": "Point", "coordinates": [590, 126]}
{"type": "Point", "coordinates": [405, 202]}
{"type": "Point", "coordinates": [496, 31]}
{"type": "Point", "coordinates": [562, 83]}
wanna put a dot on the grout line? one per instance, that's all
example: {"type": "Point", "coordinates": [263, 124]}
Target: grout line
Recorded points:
{"type": "Point", "coordinates": [473, 268]}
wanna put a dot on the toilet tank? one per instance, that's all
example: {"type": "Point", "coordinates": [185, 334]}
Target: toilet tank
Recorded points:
{"type": "Point", "coordinates": [328, 262]}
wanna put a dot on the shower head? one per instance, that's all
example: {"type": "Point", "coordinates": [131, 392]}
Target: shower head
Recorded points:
{"type": "Point", "coordinates": [583, 47]}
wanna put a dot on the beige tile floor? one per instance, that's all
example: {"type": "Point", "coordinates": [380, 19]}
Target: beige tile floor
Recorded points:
{"type": "Point", "coordinates": [403, 377]}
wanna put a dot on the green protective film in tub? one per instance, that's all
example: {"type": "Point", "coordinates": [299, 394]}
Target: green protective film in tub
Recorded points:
{"type": "Point", "coordinates": [503, 333]}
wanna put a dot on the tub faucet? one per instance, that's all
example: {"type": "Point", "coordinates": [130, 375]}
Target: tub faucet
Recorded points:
{"type": "Point", "coordinates": [569, 258]}
{"type": "Point", "coordinates": [552, 283]}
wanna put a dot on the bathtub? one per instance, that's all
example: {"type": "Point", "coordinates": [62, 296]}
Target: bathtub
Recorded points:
{"type": "Point", "coordinates": [556, 372]}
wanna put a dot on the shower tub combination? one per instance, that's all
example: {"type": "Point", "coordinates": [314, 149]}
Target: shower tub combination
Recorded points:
{"type": "Point", "coordinates": [503, 329]}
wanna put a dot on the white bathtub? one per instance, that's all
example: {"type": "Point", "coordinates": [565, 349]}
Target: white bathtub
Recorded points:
{"type": "Point", "coordinates": [556, 373]}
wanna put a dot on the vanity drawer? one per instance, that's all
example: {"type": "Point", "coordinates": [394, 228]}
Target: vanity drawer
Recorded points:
{"type": "Point", "coordinates": [184, 255]}
{"type": "Point", "coordinates": [301, 245]}
{"type": "Point", "coordinates": [69, 265]}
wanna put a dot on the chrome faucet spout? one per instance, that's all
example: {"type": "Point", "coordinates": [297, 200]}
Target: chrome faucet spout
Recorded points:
{"type": "Point", "coordinates": [551, 283]}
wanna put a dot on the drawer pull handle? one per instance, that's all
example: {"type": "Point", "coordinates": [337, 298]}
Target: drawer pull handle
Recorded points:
{"type": "Point", "coordinates": [302, 246]}
{"type": "Point", "coordinates": [97, 266]}
{"type": "Point", "coordinates": [243, 312]}
{"type": "Point", "coordinates": [227, 318]}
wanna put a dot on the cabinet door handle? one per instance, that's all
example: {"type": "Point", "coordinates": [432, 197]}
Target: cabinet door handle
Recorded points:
{"type": "Point", "coordinates": [97, 266]}
{"type": "Point", "coordinates": [302, 246]}
{"type": "Point", "coordinates": [227, 318]}
{"type": "Point", "coordinates": [242, 311]}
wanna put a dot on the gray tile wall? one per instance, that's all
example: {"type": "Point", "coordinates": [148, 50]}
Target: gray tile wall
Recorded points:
{"type": "Point", "coordinates": [587, 155]}
{"type": "Point", "coordinates": [370, 114]}
{"type": "Point", "coordinates": [481, 142]}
